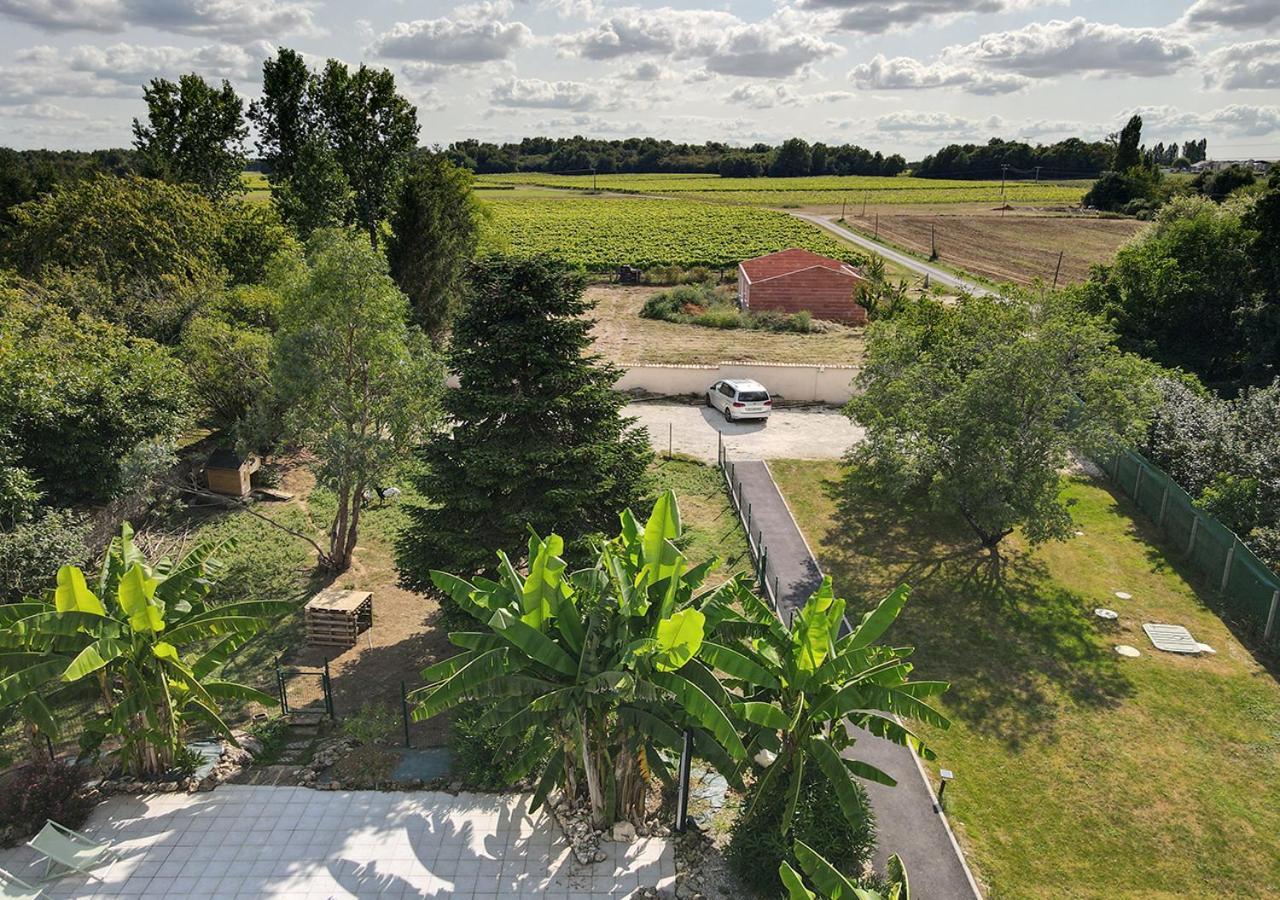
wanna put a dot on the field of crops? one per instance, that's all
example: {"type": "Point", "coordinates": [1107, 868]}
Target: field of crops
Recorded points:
{"type": "Point", "coordinates": [603, 233]}
{"type": "Point", "coordinates": [814, 190]}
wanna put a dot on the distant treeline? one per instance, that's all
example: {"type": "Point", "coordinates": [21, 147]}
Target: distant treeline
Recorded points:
{"type": "Point", "coordinates": [649, 155]}
{"type": "Point", "coordinates": [26, 174]}
{"type": "Point", "coordinates": [1072, 158]}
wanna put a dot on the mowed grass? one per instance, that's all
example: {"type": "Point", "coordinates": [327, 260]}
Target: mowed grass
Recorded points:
{"type": "Point", "coordinates": [256, 186]}
{"type": "Point", "coordinates": [1078, 773]}
{"type": "Point", "coordinates": [711, 527]}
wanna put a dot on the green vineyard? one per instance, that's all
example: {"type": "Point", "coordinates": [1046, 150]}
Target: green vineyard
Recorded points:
{"type": "Point", "coordinates": [601, 234]}
{"type": "Point", "coordinates": [823, 189]}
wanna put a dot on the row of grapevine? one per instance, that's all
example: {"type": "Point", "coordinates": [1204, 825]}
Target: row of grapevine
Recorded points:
{"type": "Point", "coordinates": [600, 234]}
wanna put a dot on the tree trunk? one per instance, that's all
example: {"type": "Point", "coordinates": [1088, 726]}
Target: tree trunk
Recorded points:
{"type": "Point", "coordinates": [591, 771]}
{"type": "Point", "coordinates": [338, 559]}
{"type": "Point", "coordinates": [37, 746]}
{"type": "Point", "coordinates": [631, 787]}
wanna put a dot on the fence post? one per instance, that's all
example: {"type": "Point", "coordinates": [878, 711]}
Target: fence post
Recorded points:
{"type": "Point", "coordinates": [1226, 569]}
{"type": "Point", "coordinates": [682, 788]}
{"type": "Point", "coordinates": [1164, 503]}
{"type": "Point", "coordinates": [1195, 526]}
{"type": "Point", "coordinates": [1271, 616]}
{"type": "Point", "coordinates": [748, 518]}
{"type": "Point", "coordinates": [1137, 483]}
{"type": "Point", "coordinates": [284, 696]}
{"type": "Point", "coordinates": [328, 692]}
{"type": "Point", "coordinates": [404, 712]}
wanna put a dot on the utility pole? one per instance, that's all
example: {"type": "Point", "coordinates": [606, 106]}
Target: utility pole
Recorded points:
{"type": "Point", "coordinates": [843, 201]}
{"type": "Point", "coordinates": [1037, 174]}
{"type": "Point", "coordinates": [933, 241]}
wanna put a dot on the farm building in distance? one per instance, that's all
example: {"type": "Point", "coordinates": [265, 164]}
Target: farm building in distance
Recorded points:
{"type": "Point", "coordinates": [796, 280]}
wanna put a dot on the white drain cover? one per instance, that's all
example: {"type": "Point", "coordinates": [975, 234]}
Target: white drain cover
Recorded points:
{"type": "Point", "coordinates": [1109, 614]}
{"type": "Point", "coordinates": [1126, 650]}
{"type": "Point", "coordinates": [1124, 595]}
{"type": "Point", "coordinates": [1173, 638]}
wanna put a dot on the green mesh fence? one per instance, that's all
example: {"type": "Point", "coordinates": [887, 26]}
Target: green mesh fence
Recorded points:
{"type": "Point", "coordinates": [1249, 590]}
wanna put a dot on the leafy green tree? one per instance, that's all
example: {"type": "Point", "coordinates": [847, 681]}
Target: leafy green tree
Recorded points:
{"type": "Point", "coordinates": [832, 885]}
{"type": "Point", "coordinates": [359, 385]}
{"type": "Point", "coordinates": [980, 405]}
{"type": "Point", "coordinates": [600, 663]}
{"type": "Point", "coordinates": [34, 548]}
{"type": "Point", "coordinates": [372, 130]}
{"type": "Point", "coordinates": [1180, 292]}
{"type": "Point", "coordinates": [285, 115]}
{"type": "Point", "coordinates": [434, 230]}
{"type": "Point", "coordinates": [194, 135]}
{"type": "Point", "coordinates": [316, 193]}
{"type": "Point", "coordinates": [120, 230]}
{"type": "Point", "coordinates": [792, 159]}
{"type": "Point", "coordinates": [144, 635]}
{"type": "Point", "coordinates": [535, 434]}
{"type": "Point", "coordinates": [78, 396]}
{"type": "Point", "coordinates": [229, 365]}
{"type": "Point", "coordinates": [250, 237]}
{"type": "Point", "coordinates": [800, 688]}
{"type": "Point", "coordinates": [1129, 145]}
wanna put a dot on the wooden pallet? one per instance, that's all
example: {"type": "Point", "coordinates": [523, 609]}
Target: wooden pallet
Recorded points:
{"type": "Point", "coordinates": [336, 617]}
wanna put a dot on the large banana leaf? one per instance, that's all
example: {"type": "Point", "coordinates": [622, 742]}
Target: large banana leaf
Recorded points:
{"type": "Point", "coordinates": [794, 884]}
{"type": "Point", "coordinates": [460, 686]}
{"type": "Point", "coordinates": [678, 639]}
{"type": "Point", "coordinates": [646, 723]}
{"type": "Point", "coordinates": [25, 672]}
{"type": "Point", "coordinates": [542, 591]}
{"type": "Point", "coordinates": [833, 885]}
{"type": "Point", "coordinates": [703, 710]}
{"type": "Point", "coordinates": [136, 593]}
{"type": "Point", "coordinates": [73, 595]}
{"type": "Point", "coordinates": [533, 642]}
{"type": "Point", "coordinates": [229, 690]}
{"type": "Point", "coordinates": [766, 715]}
{"type": "Point", "coordinates": [737, 665]}
{"type": "Point", "coordinates": [462, 592]}
{"type": "Point", "coordinates": [833, 767]}
{"type": "Point", "coordinates": [877, 621]}
{"type": "Point", "coordinates": [95, 656]}
{"type": "Point", "coordinates": [219, 653]}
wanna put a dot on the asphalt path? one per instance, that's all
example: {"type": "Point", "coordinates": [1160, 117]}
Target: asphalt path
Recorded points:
{"type": "Point", "coordinates": [940, 275]}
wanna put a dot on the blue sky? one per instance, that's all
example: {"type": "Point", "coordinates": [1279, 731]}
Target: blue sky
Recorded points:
{"type": "Point", "coordinates": [896, 75]}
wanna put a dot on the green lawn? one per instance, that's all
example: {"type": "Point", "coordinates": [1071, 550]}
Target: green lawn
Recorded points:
{"type": "Point", "coordinates": [711, 527]}
{"type": "Point", "coordinates": [1078, 773]}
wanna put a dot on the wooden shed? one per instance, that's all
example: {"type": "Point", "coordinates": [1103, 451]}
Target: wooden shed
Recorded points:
{"type": "Point", "coordinates": [335, 616]}
{"type": "Point", "coordinates": [796, 280]}
{"type": "Point", "coordinates": [226, 472]}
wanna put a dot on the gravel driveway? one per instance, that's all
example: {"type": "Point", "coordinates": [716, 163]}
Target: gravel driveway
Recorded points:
{"type": "Point", "coordinates": [815, 433]}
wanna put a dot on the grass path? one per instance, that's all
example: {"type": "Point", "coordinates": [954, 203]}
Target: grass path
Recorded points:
{"type": "Point", "coordinates": [1078, 773]}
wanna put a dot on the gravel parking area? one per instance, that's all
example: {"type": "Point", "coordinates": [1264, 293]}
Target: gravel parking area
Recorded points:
{"type": "Point", "coordinates": [813, 433]}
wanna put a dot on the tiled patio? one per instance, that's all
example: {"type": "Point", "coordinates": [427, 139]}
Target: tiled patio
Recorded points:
{"type": "Point", "coordinates": [241, 841]}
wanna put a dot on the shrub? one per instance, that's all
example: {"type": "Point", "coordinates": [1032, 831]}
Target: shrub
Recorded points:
{"type": "Point", "coordinates": [37, 793]}
{"type": "Point", "coordinates": [719, 317]}
{"type": "Point", "coordinates": [371, 724]}
{"type": "Point", "coordinates": [32, 551]}
{"type": "Point", "coordinates": [479, 759]}
{"type": "Point", "coordinates": [757, 845]}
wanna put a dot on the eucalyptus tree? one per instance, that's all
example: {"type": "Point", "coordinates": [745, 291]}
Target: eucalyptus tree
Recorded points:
{"type": "Point", "coordinates": [146, 638]}
{"type": "Point", "coordinates": [601, 664]}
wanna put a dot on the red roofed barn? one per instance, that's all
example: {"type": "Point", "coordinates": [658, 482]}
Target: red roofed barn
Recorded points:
{"type": "Point", "coordinates": [794, 280]}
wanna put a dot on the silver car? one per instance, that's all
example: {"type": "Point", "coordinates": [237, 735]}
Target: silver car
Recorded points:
{"type": "Point", "coordinates": [740, 398]}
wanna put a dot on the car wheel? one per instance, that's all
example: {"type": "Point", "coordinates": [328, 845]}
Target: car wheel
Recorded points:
{"type": "Point", "coordinates": [709, 403]}
{"type": "Point", "coordinates": [728, 416]}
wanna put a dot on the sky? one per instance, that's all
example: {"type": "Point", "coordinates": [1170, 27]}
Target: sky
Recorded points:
{"type": "Point", "coordinates": [905, 76]}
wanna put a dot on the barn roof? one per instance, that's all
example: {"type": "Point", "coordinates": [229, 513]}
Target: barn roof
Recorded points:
{"type": "Point", "coordinates": [786, 262]}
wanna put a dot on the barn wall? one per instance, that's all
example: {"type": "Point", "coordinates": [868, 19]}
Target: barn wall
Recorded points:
{"type": "Point", "coordinates": [792, 383]}
{"type": "Point", "coordinates": [825, 294]}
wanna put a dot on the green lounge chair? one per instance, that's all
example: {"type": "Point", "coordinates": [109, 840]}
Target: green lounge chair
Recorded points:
{"type": "Point", "coordinates": [69, 850]}
{"type": "Point", "coordinates": [14, 888]}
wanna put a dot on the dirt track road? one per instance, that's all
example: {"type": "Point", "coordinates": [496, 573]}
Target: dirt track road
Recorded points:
{"type": "Point", "coordinates": [817, 433]}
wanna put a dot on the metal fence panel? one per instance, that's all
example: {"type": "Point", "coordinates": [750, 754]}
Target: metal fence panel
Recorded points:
{"type": "Point", "coordinates": [1248, 588]}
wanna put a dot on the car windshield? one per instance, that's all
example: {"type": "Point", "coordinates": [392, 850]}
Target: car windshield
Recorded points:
{"type": "Point", "coordinates": [753, 396]}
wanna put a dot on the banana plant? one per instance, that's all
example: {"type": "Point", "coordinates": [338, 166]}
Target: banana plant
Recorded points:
{"type": "Point", "coordinates": [600, 665]}
{"type": "Point", "coordinates": [801, 685]}
{"type": "Point", "coordinates": [833, 885]}
{"type": "Point", "coordinates": [144, 635]}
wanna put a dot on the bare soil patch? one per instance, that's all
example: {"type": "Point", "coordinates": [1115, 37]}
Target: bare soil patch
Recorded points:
{"type": "Point", "coordinates": [1017, 246]}
{"type": "Point", "coordinates": [622, 336]}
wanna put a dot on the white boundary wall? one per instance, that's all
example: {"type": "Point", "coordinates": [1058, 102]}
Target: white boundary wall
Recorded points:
{"type": "Point", "coordinates": [792, 382]}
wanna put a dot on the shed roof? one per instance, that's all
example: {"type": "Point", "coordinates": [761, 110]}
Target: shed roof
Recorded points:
{"type": "Point", "coordinates": [225, 458]}
{"type": "Point", "coordinates": [785, 262]}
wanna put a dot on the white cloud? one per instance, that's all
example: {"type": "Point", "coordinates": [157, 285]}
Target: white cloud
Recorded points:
{"type": "Point", "coordinates": [45, 112]}
{"type": "Point", "coordinates": [466, 40]}
{"type": "Point", "coordinates": [877, 16]}
{"type": "Point", "coordinates": [1237, 14]}
{"type": "Point", "coordinates": [903, 73]}
{"type": "Point", "coordinates": [536, 93]}
{"type": "Point", "coordinates": [776, 47]}
{"type": "Point", "coordinates": [1253, 65]}
{"type": "Point", "coordinates": [647, 71]}
{"type": "Point", "coordinates": [937, 123]}
{"type": "Point", "coordinates": [233, 20]}
{"type": "Point", "coordinates": [1236, 119]}
{"type": "Point", "coordinates": [762, 96]}
{"type": "Point", "coordinates": [1075, 47]}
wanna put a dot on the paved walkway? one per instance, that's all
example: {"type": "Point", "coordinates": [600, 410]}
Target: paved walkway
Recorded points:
{"type": "Point", "coordinates": [241, 841]}
{"type": "Point", "coordinates": [812, 433]}
{"type": "Point", "coordinates": [936, 273]}
{"type": "Point", "coordinates": [908, 819]}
